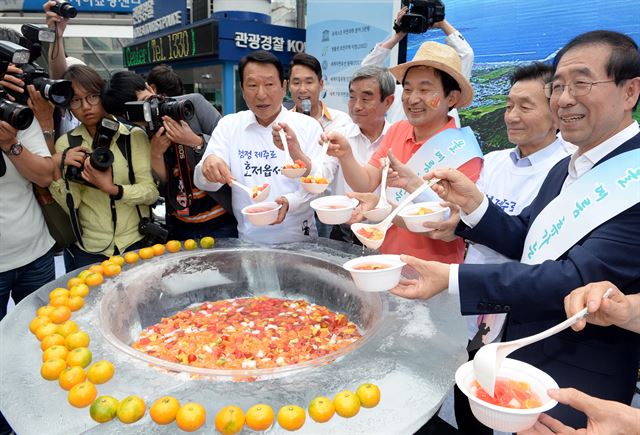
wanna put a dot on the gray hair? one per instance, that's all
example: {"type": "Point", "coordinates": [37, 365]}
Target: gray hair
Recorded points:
{"type": "Point", "coordinates": [382, 75]}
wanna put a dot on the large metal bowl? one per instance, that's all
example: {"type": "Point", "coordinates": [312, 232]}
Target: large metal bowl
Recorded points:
{"type": "Point", "coordinates": [410, 349]}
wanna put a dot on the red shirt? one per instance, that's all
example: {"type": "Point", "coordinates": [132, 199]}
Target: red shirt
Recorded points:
{"type": "Point", "coordinates": [400, 139]}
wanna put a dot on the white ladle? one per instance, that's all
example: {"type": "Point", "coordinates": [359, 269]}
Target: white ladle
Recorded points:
{"type": "Point", "coordinates": [261, 196]}
{"type": "Point", "coordinates": [382, 208]}
{"type": "Point", "coordinates": [386, 223]}
{"type": "Point", "coordinates": [490, 357]}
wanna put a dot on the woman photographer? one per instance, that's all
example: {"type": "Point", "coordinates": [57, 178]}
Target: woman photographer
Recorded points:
{"type": "Point", "coordinates": [109, 200]}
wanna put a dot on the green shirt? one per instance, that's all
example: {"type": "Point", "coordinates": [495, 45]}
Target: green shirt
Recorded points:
{"type": "Point", "coordinates": [94, 205]}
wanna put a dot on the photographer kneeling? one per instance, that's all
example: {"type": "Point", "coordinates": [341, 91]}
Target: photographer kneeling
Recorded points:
{"type": "Point", "coordinates": [179, 130]}
{"type": "Point", "coordinates": [102, 176]}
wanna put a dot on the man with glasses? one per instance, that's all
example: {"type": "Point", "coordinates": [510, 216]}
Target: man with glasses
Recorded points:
{"type": "Point", "coordinates": [582, 227]}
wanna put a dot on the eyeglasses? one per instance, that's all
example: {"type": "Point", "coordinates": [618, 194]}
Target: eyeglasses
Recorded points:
{"type": "Point", "coordinates": [91, 100]}
{"type": "Point", "coordinates": [576, 89]}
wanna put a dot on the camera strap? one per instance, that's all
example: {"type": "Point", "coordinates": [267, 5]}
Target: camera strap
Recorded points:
{"type": "Point", "coordinates": [124, 145]}
{"type": "Point", "coordinates": [75, 141]}
{"type": "Point", "coordinates": [184, 192]}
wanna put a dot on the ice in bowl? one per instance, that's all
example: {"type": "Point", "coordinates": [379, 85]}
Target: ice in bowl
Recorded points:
{"type": "Point", "coordinates": [335, 209]}
{"type": "Point", "coordinates": [262, 213]}
{"type": "Point", "coordinates": [414, 216]}
{"type": "Point", "coordinates": [517, 414]}
{"type": "Point", "coordinates": [375, 273]}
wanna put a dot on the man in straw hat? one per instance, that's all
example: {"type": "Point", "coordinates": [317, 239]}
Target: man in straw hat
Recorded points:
{"type": "Point", "coordinates": [581, 227]}
{"type": "Point", "coordinates": [432, 84]}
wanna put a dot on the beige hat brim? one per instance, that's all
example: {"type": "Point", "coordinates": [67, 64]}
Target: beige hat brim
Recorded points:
{"type": "Point", "coordinates": [466, 91]}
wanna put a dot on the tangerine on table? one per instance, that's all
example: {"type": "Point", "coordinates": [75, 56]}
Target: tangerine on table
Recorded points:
{"type": "Point", "coordinates": [190, 244]}
{"type": "Point", "coordinates": [46, 329]}
{"type": "Point", "coordinates": [369, 395]}
{"type": "Point", "coordinates": [104, 409]}
{"type": "Point", "coordinates": [131, 409]}
{"type": "Point", "coordinates": [83, 275]}
{"type": "Point", "coordinates": [51, 340]}
{"type": "Point", "coordinates": [229, 420]}
{"type": "Point", "coordinates": [75, 281]}
{"type": "Point", "coordinates": [58, 292]}
{"type": "Point", "coordinates": [117, 259]}
{"type": "Point", "coordinates": [59, 301]}
{"type": "Point", "coordinates": [321, 409]}
{"type": "Point", "coordinates": [105, 262]}
{"type": "Point", "coordinates": [80, 356]}
{"type": "Point", "coordinates": [207, 242]}
{"type": "Point", "coordinates": [52, 368]}
{"type": "Point", "coordinates": [44, 311]}
{"type": "Point", "coordinates": [55, 351]}
{"type": "Point", "coordinates": [131, 257]}
{"type": "Point", "coordinates": [158, 249]}
{"type": "Point", "coordinates": [37, 322]}
{"type": "Point", "coordinates": [347, 404]}
{"type": "Point", "coordinates": [191, 416]}
{"type": "Point", "coordinates": [68, 328]}
{"type": "Point", "coordinates": [146, 253]}
{"type": "Point", "coordinates": [174, 246]}
{"type": "Point", "coordinates": [82, 394]}
{"type": "Point", "coordinates": [75, 303]}
{"type": "Point", "coordinates": [100, 372]}
{"type": "Point", "coordinates": [291, 417]}
{"type": "Point", "coordinates": [96, 268]}
{"type": "Point", "coordinates": [112, 269]}
{"type": "Point", "coordinates": [94, 279]}
{"type": "Point", "coordinates": [79, 290]}
{"type": "Point", "coordinates": [71, 376]}
{"type": "Point", "coordinates": [77, 339]}
{"type": "Point", "coordinates": [164, 410]}
{"type": "Point", "coordinates": [259, 417]}
{"type": "Point", "coordinates": [60, 314]}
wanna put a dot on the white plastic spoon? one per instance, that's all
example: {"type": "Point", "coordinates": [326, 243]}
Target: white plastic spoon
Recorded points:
{"type": "Point", "coordinates": [386, 223]}
{"type": "Point", "coordinates": [382, 208]}
{"type": "Point", "coordinates": [325, 147]}
{"type": "Point", "coordinates": [489, 358]}
{"type": "Point", "coordinates": [261, 194]}
{"type": "Point", "coordinates": [289, 172]}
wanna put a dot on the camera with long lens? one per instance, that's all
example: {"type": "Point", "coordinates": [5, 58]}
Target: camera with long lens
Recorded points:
{"type": "Point", "coordinates": [154, 108]}
{"type": "Point", "coordinates": [59, 92]}
{"type": "Point", "coordinates": [421, 16]}
{"type": "Point", "coordinates": [101, 157]}
{"type": "Point", "coordinates": [152, 232]}
{"type": "Point", "coordinates": [18, 116]}
{"type": "Point", "coordinates": [64, 9]}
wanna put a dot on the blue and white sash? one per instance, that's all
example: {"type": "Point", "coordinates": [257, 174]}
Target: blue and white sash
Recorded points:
{"type": "Point", "coordinates": [450, 148]}
{"type": "Point", "coordinates": [602, 193]}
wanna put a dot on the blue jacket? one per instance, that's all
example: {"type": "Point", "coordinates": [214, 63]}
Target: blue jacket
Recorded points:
{"type": "Point", "coordinates": [600, 361]}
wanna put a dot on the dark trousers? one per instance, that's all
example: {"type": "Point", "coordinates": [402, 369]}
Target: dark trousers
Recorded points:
{"type": "Point", "coordinates": [467, 422]}
{"type": "Point", "coordinates": [20, 283]}
{"type": "Point", "coordinates": [74, 257]}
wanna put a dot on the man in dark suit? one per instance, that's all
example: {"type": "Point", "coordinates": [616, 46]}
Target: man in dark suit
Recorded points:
{"type": "Point", "coordinates": [594, 90]}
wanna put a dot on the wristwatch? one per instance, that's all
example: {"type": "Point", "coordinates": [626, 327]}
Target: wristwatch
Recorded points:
{"type": "Point", "coordinates": [15, 149]}
{"type": "Point", "coordinates": [48, 134]}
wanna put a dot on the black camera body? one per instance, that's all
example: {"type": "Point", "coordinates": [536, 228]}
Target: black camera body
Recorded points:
{"type": "Point", "coordinates": [154, 108]}
{"type": "Point", "coordinates": [59, 92]}
{"type": "Point", "coordinates": [421, 16]}
{"type": "Point", "coordinates": [101, 157]}
{"type": "Point", "coordinates": [64, 9]}
{"type": "Point", "coordinates": [152, 232]}
{"type": "Point", "coordinates": [15, 114]}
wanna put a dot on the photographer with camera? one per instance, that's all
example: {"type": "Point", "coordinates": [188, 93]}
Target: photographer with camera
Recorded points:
{"type": "Point", "coordinates": [102, 177]}
{"type": "Point", "coordinates": [178, 128]}
{"type": "Point", "coordinates": [26, 254]}
{"type": "Point", "coordinates": [403, 24]}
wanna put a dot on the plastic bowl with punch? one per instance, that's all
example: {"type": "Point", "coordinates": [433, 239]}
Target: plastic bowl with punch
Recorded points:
{"type": "Point", "coordinates": [375, 273]}
{"type": "Point", "coordinates": [335, 209]}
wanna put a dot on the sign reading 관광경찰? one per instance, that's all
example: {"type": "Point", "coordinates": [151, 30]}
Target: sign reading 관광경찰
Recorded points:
{"type": "Point", "coordinates": [106, 6]}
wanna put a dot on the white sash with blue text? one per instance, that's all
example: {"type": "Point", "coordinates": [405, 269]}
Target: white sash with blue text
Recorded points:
{"type": "Point", "coordinates": [450, 148]}
{"type": "Point", "coordinates": [602, 193]}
